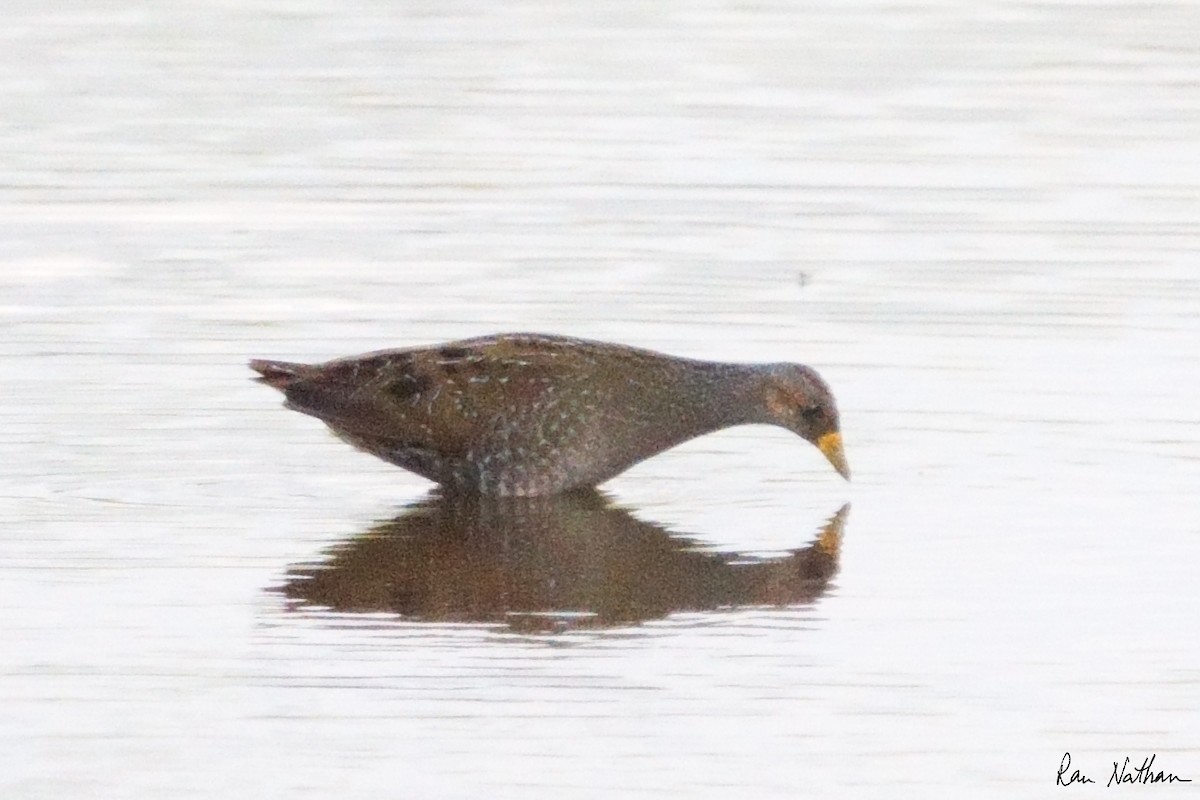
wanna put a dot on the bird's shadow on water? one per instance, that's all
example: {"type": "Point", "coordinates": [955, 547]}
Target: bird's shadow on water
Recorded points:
{"type": "Point", "coordinates": [567, 562]}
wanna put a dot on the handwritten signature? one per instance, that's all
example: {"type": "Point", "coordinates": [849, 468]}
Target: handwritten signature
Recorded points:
{"type": "Point", "coordinates": [1121, 773]}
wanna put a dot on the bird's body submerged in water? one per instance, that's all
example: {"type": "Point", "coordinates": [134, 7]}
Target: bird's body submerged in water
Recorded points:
{"type": "Point", "coordinates": [529, 414]}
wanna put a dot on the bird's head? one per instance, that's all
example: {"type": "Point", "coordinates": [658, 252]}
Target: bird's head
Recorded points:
{"type": "Point", "coordinates": [797, 399]}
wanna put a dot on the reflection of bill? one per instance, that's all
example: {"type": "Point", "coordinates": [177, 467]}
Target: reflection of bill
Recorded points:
{"type": "Point", "coordinates": [566, 561]}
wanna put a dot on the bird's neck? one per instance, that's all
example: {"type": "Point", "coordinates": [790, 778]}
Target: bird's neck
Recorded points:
{"type": "Point", "coordinates": [729, 394]}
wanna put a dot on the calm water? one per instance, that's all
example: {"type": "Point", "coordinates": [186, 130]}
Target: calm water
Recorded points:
{"type": "Point", "coordinates": [980, 223]}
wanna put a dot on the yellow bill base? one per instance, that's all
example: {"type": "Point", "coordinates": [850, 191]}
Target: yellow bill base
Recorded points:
{"type": "Point", "coordinates": [831, 445]}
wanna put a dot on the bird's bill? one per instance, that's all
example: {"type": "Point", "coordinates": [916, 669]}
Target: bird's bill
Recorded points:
{"type": "Point", "coordinates": [831, 445]}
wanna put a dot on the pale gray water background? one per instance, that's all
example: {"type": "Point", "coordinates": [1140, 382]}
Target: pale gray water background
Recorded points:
{"type": "Point", "coordinates": [980, 221]}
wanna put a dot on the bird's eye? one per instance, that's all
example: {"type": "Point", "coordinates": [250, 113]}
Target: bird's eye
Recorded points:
{"type": "Point", "coordinates": [811, 413]}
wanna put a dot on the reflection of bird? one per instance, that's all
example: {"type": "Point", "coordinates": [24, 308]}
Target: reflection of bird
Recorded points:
{"type": "Point", "coordinates": [525, 414]}
{"type": "Point", "coordinates": [571, 560]}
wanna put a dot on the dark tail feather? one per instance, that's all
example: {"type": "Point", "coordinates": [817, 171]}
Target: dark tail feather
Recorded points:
{"type": "Point", "coordinates": [279, 374]}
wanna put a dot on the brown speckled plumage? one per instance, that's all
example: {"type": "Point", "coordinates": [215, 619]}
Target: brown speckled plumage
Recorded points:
{"type": "Point", "coordinates": [529, 414]}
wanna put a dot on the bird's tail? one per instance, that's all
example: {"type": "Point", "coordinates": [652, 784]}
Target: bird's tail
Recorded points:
{"type": "Point", "coordinates": [279, 374]}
